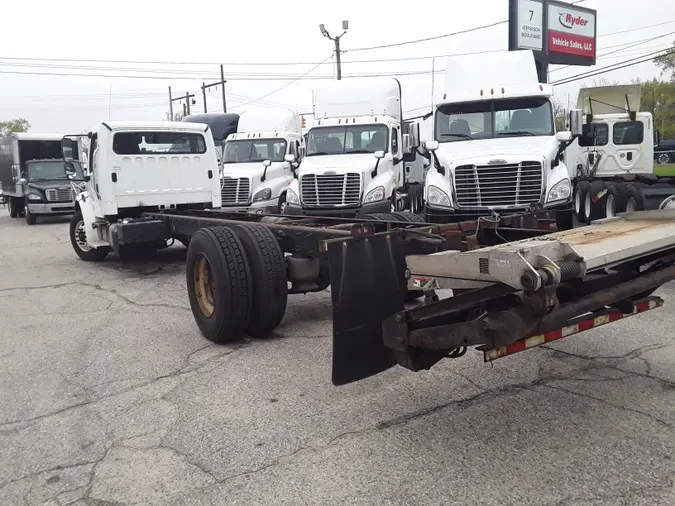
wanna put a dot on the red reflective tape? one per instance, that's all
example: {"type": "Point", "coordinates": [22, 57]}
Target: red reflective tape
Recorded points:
{"type": "Point", "coordinates": [553, 335]}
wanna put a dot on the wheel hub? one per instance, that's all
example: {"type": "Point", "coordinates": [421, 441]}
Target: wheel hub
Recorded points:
{"type": "Point", "coordinates": [81, 236]}
{"type": "Point", "coordinates": [205, 286]}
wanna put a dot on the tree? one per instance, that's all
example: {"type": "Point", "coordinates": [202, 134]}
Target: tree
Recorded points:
{"type": "Point", "coordinates": [177, 116]}
{"type": "Point", "coordinates": [667, 63]}
{"type": "Point", "coordinates": [13, 125]}
{"type": "Point", "coordinates": [559, 114]}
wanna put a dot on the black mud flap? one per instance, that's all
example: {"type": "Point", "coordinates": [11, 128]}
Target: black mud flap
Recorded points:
{"type": "Point", "coordinates": [367, 285]}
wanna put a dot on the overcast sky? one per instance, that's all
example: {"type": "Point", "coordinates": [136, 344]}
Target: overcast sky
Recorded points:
{"type": "Point", "coordinates": [180, 34]}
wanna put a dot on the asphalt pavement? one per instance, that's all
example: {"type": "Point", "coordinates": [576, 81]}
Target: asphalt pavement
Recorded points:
{"type": "Point", "coordinates": [110, 395]}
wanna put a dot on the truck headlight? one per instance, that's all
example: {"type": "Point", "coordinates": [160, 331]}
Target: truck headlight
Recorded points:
{"type": "Point", "coordinates": [561, 191]}
{"type": "Point", "coordinates": [34, 196]}
{"type": "Point", "coordinates": [374, 195]}
{"type": "Point", "coordinates": [292, 198]}
{"type": "Point", "coordinates": [265, 194]}
{"type": "Point", "coordinates": [437, 197]}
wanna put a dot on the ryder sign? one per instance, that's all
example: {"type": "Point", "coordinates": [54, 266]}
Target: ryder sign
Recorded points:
{"type": "Point", "coordinates": [571, 31]}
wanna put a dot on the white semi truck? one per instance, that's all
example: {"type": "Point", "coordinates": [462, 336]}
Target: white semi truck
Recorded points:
{"type": "Point", "coordinates": [356, 151]}
{"type": "Point", "coordinates": [260, 160]}
{"type": "Point", "coordinates": [33, 181]}
{"type": "Point", "coordinates": [495, 147]}
{"type": "Point", "coordinates": [612, 163]}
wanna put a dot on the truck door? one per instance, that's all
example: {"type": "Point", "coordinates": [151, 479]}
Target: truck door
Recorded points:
{"type": "Point", "coordinates": [148, 168]}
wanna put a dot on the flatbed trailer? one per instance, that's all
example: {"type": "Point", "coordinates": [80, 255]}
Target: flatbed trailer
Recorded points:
{"type": "Point", "coordinates": [507, 297]}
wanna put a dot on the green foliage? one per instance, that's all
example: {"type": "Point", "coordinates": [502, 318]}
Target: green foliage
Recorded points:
{"type": "Point", "coordinates": [13, 126]}
{"type": "Point", "coordinates": [658, 97]}
{"type": "Point", "coordinates": [667, 64]}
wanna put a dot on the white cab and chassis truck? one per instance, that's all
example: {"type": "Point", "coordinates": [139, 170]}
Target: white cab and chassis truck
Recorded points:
{"type": "Point", "coordinates": [32, 176]}
{"type": "Point", "coordinates": [495, 148]}
{"type": "Point", "coordinates": [260, 160]}
{"type": "Point", "coordinates": [612, 163]}
{"type": "Point", "coordinates": [507, 296]}
{"type": "Point", "coordinates": [357, 148]}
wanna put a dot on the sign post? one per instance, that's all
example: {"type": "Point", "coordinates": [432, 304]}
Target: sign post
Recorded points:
{"type": "Point", "coordinates": [557, 33]}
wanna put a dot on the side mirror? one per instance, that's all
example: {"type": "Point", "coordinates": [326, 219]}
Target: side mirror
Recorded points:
{"type": "Point", "coordinates": [576, 122]}
{"type": "Point", "coordinates": [22, 180]}
{"type": "Point", "coordinates": [563, 136]}
{"type": "Point", "coordinates": [267, 163]}
{"type": "Point", "coordinates": [431, 145]}
{"type": "Point", "coordinates": [67, 149]}
{"type": "Point", "coordinates": [406, 141]}
{"type": "Point", "coordinates": [414, 133]}
{"type": "Point", "coordinates": [657, 138]}
{"type": "Point", "coordinates": [379, 154]}
{"type": "Point", "coordinates": [290, 158]}
{"type": "Point", "coordinates": [71, 173]}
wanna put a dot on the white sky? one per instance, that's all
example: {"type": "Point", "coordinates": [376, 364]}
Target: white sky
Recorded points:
{"type": "Point", "coordinates": [264, 31]}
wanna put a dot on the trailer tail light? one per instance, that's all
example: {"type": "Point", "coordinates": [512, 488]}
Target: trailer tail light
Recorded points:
{"type": "Point", "coordinates": [581, 326]}
{"type": "Point", "coordinates": [359, 229]}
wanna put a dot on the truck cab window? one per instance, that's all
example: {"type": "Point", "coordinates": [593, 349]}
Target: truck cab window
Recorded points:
{"type": "Point", "coordinates": [151, 143]}
{"type": "Point", "coordinates": [394, 141]}
{"type": "Point", "coordinates": [629, 132]}
{"type": "Point", "coordinates": [259, 150]}
{"type": "Point", "coordinates": [594, 134]}
{"type": "Point", "coordinates": [338, 140]}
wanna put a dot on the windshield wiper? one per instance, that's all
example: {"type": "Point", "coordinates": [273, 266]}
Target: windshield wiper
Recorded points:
{"type": "Point", "coordinates": [317, 153]}
{"type": "Point", "coordinates": [515, 132]}
{"type": "Point", "coordinates": [357, 151]}
{"type": "Point", "coordinates": [463, 136]}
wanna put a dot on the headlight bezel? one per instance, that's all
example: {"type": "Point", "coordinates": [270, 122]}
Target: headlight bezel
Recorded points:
{"type": "Point", "coordinates": [554, 194]}
{"type": "Point", "coordinates": [372, 196]}
{"type": "Point", "coordinates": [263, 195]}
{"type": "Point", "coordinates": [292, 198]}
{"type": "Point", "coordinates": [442, 197]}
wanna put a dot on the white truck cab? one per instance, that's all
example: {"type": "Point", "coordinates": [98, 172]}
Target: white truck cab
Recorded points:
{"type": "Point", "coordinates": [136, 167]}
{"type": "Point", "coordinates": [495, 147]}
{"type": "Point", "coordinates": [354, 162]}
{"type": "Point", "coordinates": [260, 160]}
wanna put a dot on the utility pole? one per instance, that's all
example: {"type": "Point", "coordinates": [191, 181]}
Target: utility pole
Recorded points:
{"type": "Point", "coordinates": [218, 83]}
{"type": "Point", "coordinates": [186, 105]}
{"type": "Point", "coordinates": [336, 40]}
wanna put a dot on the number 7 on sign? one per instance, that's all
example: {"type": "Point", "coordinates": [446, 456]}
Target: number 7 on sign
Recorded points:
{"type": "Point", "coordinates": [531, 15]}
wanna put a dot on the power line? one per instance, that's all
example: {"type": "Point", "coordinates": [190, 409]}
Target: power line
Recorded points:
{"type": "Point", "coordinates": [617, 66]}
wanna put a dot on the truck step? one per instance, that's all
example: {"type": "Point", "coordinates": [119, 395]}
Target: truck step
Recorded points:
{"type": "Point", "coordinates": [582, 324]}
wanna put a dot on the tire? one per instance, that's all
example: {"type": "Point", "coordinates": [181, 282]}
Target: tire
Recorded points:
{"type": "Point", "coordinates": [77, 233]}
{"type": "Point", "coordinates": [580, 191]}
{"type": "Point", "coordinates": [617, 197]}
{"type": "Point", "coordinates": [663, 158]}
{"type": "Point", "coordinates": [268, 272]}
{"type": "Point", "coordinates": [11, 207]}
{"type": "Point", "coordinates": [282, 204]}
{"type": "Point", "coordinates": [216, 260]}
{"type": "Point", "coordinates": [595, 199]}
{"type": "Point", "coordinates": [409, 217]}
{"type": "Point", "coordinates": [634, 200]}
{"type": "Point", "coordinates": [380, 217]}
{"type": "Point", "coordinates": [31, 219]}
{"type": "Point", "coordinates": [564, 220]}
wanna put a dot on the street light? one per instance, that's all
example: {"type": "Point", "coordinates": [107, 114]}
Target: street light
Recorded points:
{"type": "Point", "coordinates": [336, 40]}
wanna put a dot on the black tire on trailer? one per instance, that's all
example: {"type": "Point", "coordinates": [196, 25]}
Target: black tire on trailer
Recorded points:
{"type": "Point", "coordinates": [580, 191]}
{"type": "Point", "coordinates": [11, 207]}
{"type": "Point", "coordinates": [380, 217]}
{"type": "Point", "coordinates": [268, 272]}
{"type": "Point", "coordinates": [78, 240]}
{"type": "Point", "coordinates": [219, 284]}
{"type": "Point", "coordinates": [595, 201]}
{"type": "Point", "coordinates": [409, 217]}
{"type": "Point", "coordinates": [617, 197]}
{"type": "Point", "coordinates": [634, 200]}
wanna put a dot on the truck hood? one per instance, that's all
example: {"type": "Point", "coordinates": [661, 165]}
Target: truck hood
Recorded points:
{"type": "Point", "coordinates": [341, 164]}
{"type": "Point", "coordinates": [252, 169]}
{"type": "Point", "coordinates": [451, 152]}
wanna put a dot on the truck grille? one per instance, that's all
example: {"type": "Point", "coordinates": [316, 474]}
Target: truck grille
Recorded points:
{"type": "Point", "coordinates": [235, 191]}
{"type": "Point", "coordinates": [331, 190]}
{"type": "Point", "coordinates": [498, 185]}
{"type": "Point", "coordinates": [60, 195]}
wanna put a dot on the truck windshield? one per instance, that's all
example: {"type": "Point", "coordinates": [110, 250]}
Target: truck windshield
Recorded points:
{"type": "Point", "coordinates": [258, 150]}
{"type": "Point", "coordinates": [49, 170]}
{"type": "Point", "coordinates": [338, 140]}
{"type": "Point", "coordinates": [493, 119]}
